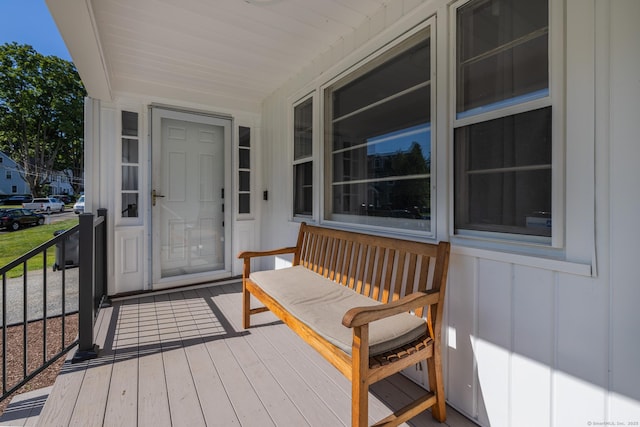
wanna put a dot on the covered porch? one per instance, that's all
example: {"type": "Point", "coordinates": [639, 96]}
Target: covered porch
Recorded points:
{"type": "Point", "coordinates": [181, 358]}
{"type": "Point", "coordinates": [539, 324]}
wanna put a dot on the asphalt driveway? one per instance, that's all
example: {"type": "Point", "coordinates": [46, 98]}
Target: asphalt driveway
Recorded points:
{"type": "Point", "coordinates": [35, 295]}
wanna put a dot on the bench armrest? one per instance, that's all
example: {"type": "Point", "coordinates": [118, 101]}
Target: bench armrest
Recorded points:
{"type": "Point", "coordinates": [252, 254]}
{"type": "Point", "coordinates": [359, 316]}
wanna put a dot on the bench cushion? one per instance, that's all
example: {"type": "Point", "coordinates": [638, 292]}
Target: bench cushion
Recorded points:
{"type": "Point", "coordinates": [321, 303]}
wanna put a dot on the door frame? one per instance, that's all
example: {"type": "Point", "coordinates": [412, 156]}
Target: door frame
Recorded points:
{"type": "Point", "coordinates": [157, 113]}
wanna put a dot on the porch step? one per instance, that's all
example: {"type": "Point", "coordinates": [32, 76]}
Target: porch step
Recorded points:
{"type": "Point", "coordinates": [25, 408]}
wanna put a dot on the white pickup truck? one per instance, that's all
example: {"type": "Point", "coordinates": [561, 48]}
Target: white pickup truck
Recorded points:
{"type": "Point", "coordinates": [45, 204]}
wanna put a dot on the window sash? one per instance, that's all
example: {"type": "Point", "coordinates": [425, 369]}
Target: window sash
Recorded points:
{"type": "Point", "coordinates": [510, 177]}
{"type": "Point", "coordinates": [303, 159]}
{"type": "Point", "coordinates": [361, 186]}
{"type": "Point", "coordinates": [130, 178]}
{"type": "Point", "coordinates": [512, 49]}
{"type": "Point", "coordinates": [244, 170]}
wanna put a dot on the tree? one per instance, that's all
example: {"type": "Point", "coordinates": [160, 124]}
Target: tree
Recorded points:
{"type": "Point", "coordinates": [413, 193]}
{"type": "Point", "coordinates": [41, 114]}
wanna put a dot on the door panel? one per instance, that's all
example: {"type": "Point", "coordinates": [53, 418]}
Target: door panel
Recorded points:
{"type": "Point", "coordinates": [190, 240]}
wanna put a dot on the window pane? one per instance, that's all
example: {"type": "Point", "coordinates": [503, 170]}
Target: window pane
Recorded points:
{"type": "Point", "coordinates": [404, 71]}
{"type": "Point", "coordinates": [381, 144]}
{"type": "Point", "coordinates": [396, 115]}
{"type": "Point", "coordinates": [245, 203]}
{"type": "Point", "coordinates": [130, 205]}
{"type": "Point", "coordinates": [129, 123]}
{"type": "Point", "coordinates": [245, 159]}
{"type": "Point", "coordinates": [303, 130]}
{"type": "Point", "coordinates": [129, 177]}
{"type": "Point", "coordinates": [129, 150]}
{"type": "Point", "coordinates": [400, 203]}
{"type": "Point", "coordinates": [503, 174]}
{"type": "Point", "coordinates": [401, 153]}
{"type": "Point", "coordinates": [244, 181]}
{"type": "Point", "coordinates": [244, 136]}
{"type": "Point", "coordinates": [303, 189]}
{"type": "Point", "coordinates": [502, 51]}
{"type": "Point", "coordinates": [514, 141]}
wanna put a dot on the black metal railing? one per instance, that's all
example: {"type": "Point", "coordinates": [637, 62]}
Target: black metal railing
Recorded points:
{"type": "Point", "coordinates": [37, 307]}
{"type": "Point", "coordinates": [93, 278]}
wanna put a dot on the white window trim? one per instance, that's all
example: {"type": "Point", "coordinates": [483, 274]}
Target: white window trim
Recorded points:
{"type": "Point", "coordinates": [119, 219]}
{"type": "Point", "coordinates": [430, 24]}
{"type": "Point", "coordinates": [314, 158]}
{"type": "Point", "coordinates": [252, 171]}
{"type": "Point", "coordinates": [555, 99]}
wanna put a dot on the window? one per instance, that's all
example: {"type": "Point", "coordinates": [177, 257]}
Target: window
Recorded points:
{"type": "Point", "coordinates": [244, 170]}
{"type": "Point", "coordinates": [303, 158]}
{"type": "Point", "coordinates": [14, 188]}
{"type": "Point", "coordinates": [130, 189]}
{"type": "Point", "coordinates": [378, 149]}
{"type": "Point", "coordinates": [8, 175]}
{"type": "Point", "coordinates": [503, 121]}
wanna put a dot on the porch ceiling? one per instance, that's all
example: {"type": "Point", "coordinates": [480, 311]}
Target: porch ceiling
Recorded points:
{"type": "Point", "coordinates": [224, 52]}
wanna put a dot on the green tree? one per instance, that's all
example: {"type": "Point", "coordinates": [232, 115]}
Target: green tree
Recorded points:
{"type": "Point", "coordinates": [41, 114]}
{"type": "Point", "coordinates": [413, 193]}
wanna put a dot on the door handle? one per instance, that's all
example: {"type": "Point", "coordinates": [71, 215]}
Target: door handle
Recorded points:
{"type": "Point", "coordinates": [154, 196]}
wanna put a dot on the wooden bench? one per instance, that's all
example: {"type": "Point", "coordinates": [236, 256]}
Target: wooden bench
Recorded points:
{"type": "Point", "coordinates": [370, 305]}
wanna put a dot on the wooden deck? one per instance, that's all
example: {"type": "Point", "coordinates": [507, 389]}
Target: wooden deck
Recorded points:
{"type": "Point", "coordinates": [183, 359]}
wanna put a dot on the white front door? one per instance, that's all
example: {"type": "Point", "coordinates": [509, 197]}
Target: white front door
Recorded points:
{"type": "Point", "coordinates": [191, 154]}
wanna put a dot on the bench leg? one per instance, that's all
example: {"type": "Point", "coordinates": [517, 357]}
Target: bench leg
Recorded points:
{"type": "Point", "coordinates": [434, 370]}
{"type": "Point", "coordinates": [359, 404]}
{"type": "Point", "coordinates": [246, 307]}
{"type": "Point", "coordinates": [359, 380]}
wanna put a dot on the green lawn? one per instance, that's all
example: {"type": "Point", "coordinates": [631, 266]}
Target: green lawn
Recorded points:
{"type": "Point", "coordinates": [17, 243]}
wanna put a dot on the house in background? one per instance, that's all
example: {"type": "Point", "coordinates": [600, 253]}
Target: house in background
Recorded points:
{"type": "Point", "coordinates": [11, 181]}
{"type": "Point", "coordinates": [507, 127]}
{"type": "Point", "coordinates": [60, 183]}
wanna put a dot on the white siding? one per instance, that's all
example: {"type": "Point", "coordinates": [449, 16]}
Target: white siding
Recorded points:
{"type": "Point", "coordinates": [624, 149]}
{"type": "Point", "coordinates": [530, 341]}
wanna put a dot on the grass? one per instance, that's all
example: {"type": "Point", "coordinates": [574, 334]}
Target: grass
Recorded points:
{"type": "Point", "coordinates": [15, 244]}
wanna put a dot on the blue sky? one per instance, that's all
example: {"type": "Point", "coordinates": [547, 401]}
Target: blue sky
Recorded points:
{"type": "Point", "coordinates": [29, 22]}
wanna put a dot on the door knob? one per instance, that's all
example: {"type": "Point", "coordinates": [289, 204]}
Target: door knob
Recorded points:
{"type": "Point", "coordinates": [154, 196]}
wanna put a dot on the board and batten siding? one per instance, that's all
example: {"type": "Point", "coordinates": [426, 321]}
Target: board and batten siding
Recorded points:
{"type": "Point", "coordinates": [530, 341]}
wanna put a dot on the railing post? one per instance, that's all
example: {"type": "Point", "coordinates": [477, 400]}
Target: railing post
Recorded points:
{"type": "Point", "coordinates": [101, 262]}
{"type": "Point", "coordinates": [86, 348]}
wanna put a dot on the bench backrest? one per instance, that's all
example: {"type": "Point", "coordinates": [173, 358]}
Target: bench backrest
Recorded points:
{"type": "Point", "coordinates": [381, 268]}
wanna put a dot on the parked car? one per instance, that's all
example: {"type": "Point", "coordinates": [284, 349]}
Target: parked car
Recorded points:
{"type": "Point", "coordinates": [18, 199]}
{"type": "Point", "coordinates": [13, 219]}
{"type": "Point", "coordinates": [78, 207]}
{"type": "Point", "coordinates": [64, 198]}
{"type": "Point", "coordinates": [45, 204]}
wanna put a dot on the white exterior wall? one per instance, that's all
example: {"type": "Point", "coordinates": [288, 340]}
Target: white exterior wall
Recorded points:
{"type": "Point", "coordinates": [530, 341]}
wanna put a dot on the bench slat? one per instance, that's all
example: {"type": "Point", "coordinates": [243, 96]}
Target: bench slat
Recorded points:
{"type": "Point", "coordinates": [372, 253]}
{"type": "Point", "coordinates": [388, 262]}
{"type": "Point", "coordinates": [399, 267]}
{"type": "Point", "coordinates": [411, 274]}
{"type": "Point", "coordinates": [424, 275]}
{"type": "Point", "coordinates": [361, 257]}
{"type": "Point", "coordinates": [377, 277]}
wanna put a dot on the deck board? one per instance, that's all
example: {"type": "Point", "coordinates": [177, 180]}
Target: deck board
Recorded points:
{"type": "Point", "coordinates": [260, 362]}
{"type": "Point", "coordinates": [122, 400]}
{"type": "Point", "coordinates": [182, 358]}
{"type": "Point", "coordinates": [153, 402]}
